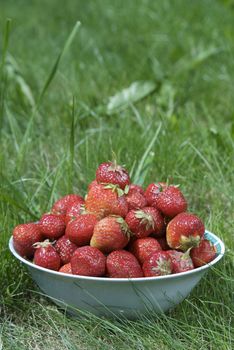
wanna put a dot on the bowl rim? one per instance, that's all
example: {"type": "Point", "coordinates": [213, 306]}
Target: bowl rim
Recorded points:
{"type": "Point", "coordinates": [215, 238]}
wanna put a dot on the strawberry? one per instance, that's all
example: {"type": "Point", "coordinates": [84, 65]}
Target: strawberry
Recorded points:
{"type": "Point", "coordinates": [46, 256]}
{"type": "Point", "coordinates": [145, 221]}
{"type": "Point", "coordinates": [112, 173]}
{"type": "Point", "coordinates": [136, 188]}
{"type": "Point", "coordinates": [66, 269]}
{"type": "Point", "coordinates": [181, 262]}
{"type": "Point", "coordinates": [123, 264]}
{"type": "Point", "coordinates": [61, 206]}
{"type": "Point", "coordinates": [143, 248]}
{"type": "Point", "coordinates": [88, 261]}
{"type": "Point", "coordinates": [52, 226]}
{"type": "Point", "coordinates": [184, 231]}
{"type": "Point", "coordinates": [24, 236]}
{"type": "Point", "coordinates": [75, 210]}
{"type": "Point", "coordinates": [163, 243]}
{"type": "Point", "coordinates": [170, 201]}
{"type": "Point", "coordinates": [65, 249]}
{"type": "Point", "coordinates": [80, 230]}
{"type": "Point", "coordinates": [158, 264]}
{"type": "Point", "coordinates": [203, 254]}
{"type": "Point", "coordinates": [104, 200]}
{"type": "Point", "coordinates": [110, 233]}
{"type": "Point", "coordinates": [135, 200]}
{"type": "Point", "coordinates": [152, 192]}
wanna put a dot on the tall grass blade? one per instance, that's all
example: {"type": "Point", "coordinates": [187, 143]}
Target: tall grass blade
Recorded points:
{"type": "Point", "coordinates": [67, 44]}
{"type": "Point", "coordinates": [3, 76]}
{"type": "Point", "coordinates": [145, 160]}
{"type": "Point", "coordinates": [71, 150]}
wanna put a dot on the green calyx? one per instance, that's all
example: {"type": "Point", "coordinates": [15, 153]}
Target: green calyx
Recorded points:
{"type": "Point", "coordinates": [43, 244]}
{"type": "Point", "coordinates": [163, 266]}
{"type": "Point", "coordinates": [145, 219]}
{"type": "Point", "coordinates": [124, 226]}
{"type": "Point", "coordinates": [116, 188]}
{"type": "Point", "coordinates": [189, 242]}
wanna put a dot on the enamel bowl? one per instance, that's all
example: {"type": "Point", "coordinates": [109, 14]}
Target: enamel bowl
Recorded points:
{"type": "Point", "coordinates": [130, 298]}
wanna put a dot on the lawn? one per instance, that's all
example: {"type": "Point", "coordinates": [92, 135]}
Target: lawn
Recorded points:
{"type": "Point", "coordinates": [55, 85]}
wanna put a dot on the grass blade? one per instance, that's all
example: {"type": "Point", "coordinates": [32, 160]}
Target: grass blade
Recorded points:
{"type": "Point", "coordinates": [145, 160]}
{"type": "Point", "coordinates": [71, 150]}
{"type": "Point", "coordinates": [3, 76]}
{"type": "Point", "coordinates": [56, 64]}
{"type": "Point", "coordinates": [44, 89]}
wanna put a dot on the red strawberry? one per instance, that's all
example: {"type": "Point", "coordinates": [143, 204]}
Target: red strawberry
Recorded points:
{"type": "Point", "coordinates": [104, 200]}
{"type": "Point", "coordinates": [88, 261]}
{"type": "Point", "coordinates": [66, 269]}
{"type": "Point", "coordinates": [136, 188]}
{"type": "Point", "coordinates": [152, 192]}
{"type": "Point", "coordinates": [52, 226]}
{"type": "Point", "coordinates": [145, 221]}
{"type": "Point", "coordinates": [112, 173]}
{"type": "Point", "coordinates": [163, 243]}
{"type": "Point", "coordinates": [135, 200]}
{"type": "Point", "coordinates": [185, 231]}
{"type": "Point", "coordinates": [158, 264]}
{"type": "Point", "coordinates": [24, 236]}
{"type": "Point", "coordinates": [61, 206]}
{"type": "Point", "coordinates": [46, 256]}
{"type": "Point", "coordinates": [110, 233]}
{"type": "Point", "coordinates": [75, 210]}
{"type": "Point", "coordinates": [122, 264]}
{"type": "Point", "coordinates": [170, 201]}
{"type": "Point", "coordinates": [203, 254]}
{"type": "Point", "coordinates": [80, 230]}
{"type": "Point", "coordinates": [143, 248]}
{"type": "Point", "coordinates": [65, 248]}
{"type": "Point", "coordinates": [181, 262]}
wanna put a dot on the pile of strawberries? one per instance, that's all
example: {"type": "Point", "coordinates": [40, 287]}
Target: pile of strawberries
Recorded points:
{"type": "Point", "coordinates": [118, 231]}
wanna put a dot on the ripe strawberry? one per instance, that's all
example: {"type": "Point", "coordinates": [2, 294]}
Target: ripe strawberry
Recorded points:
{"type": "Point", "coordinates": [112, 173]}
{"type": "Point", "coordinates": [66, 269]}
{"type": "Point", "coordinates": [135, 200]}
{"type": "Point", "coordinates": [145, 221]}
{"type": "Point", "coordinates": [158, 264]}
{"type": "Point", "coordinates": [61, 206]}
{"type": "Point", "coordinates": [203, 254]}
{"type": "Point", "coordinates": [181, 262]}
{"type": "Point", "coordinates": [75, 210]}
{"type": "Point", "coordinates": [123, 264]}
{"type": "Point", "coordinates": [110, 233]}
{"type": "Point", "coordinates": [152, 192]}
{"type": "Point", "coordinates": [143, 248]}
{"type": "Point", "coordinates": [65, 249]}
{"type": "Point", "coordinates": [88, 261]}
{"type": "Point", "coordinates": [184, 231]}
{"type": "Point", "coordinates": [104, 200]}
{"type": "Point", "coordinates": [24, 236]}
{"type": "Point", "coordinates": [136, 188]}
{"type": "Point", "coordinates": [163, 243]}
{"type": "Point", "coordinates": [52, 226]}
{"type": "Point", "coordinates": [46, 256]}
{"type": "Point", "coordinates": [170, 201]}
{"type": "Point", "coordinates": [80, 230]}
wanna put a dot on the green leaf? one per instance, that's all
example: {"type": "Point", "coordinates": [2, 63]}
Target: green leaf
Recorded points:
{"type": "Point", "coordinates": [135, 92]}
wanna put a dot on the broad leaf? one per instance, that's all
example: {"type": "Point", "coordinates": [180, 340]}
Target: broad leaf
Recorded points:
{"type": "Point", "coordinates": [135, 92]}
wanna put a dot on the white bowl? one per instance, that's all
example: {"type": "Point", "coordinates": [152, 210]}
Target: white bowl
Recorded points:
{"type": "Point", "coordinates": [118, 296]}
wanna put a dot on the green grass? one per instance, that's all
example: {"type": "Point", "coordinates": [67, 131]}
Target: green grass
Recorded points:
{"type": "Point", "coordinates": [53, 138]}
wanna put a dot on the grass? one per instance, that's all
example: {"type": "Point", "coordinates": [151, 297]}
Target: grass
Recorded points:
{"type": "Point", "coordinates": [183, 131]}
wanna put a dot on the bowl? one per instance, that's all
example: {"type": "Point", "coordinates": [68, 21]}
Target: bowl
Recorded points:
{"type": "Point", "coordinates": [118, 297]}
